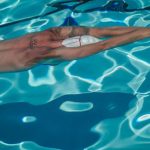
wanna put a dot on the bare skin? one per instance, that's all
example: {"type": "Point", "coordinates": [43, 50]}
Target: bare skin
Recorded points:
{"type": "Point", "coordinates": [27, 51]}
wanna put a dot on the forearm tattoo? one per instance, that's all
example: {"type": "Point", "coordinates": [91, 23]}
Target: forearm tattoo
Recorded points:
{"type": "Point", "coordinates": [59, 33]}
{"type": "Point", "coordinates": [33, 42]}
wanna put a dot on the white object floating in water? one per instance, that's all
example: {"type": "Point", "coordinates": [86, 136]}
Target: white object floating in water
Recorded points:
{"type": "Point", "coordinates": [28, 119]}
{"type": "Point", "coordinates": [78, 41]}
{"type": "Point", "coordinates": [69, 106]}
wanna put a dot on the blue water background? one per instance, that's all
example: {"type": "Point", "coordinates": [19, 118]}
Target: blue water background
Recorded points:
{"type": "Point", "coordinates": [71, 106]}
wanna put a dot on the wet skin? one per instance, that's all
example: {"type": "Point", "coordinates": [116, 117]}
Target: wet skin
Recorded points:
{"type": "Point", "coordinates": [25, 52]}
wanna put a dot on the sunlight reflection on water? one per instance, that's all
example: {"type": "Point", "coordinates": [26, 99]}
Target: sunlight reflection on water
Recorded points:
{"type": "Point", "coordinates": [123, 69]}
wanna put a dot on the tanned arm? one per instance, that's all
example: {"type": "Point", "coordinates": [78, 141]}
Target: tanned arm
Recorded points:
{"type": "Point", "coordinates": [66, 32]}
{"type": "Point", "coordinates": [83, 51]}
{"type": "Point", "coordinates": [25, 52]}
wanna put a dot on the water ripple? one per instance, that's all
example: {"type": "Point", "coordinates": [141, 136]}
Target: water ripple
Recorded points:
{"type": "Point", "coordinates": [123, 69]}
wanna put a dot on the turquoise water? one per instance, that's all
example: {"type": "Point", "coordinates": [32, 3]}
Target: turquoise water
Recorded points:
{"type": "Point", "coordinates": [104, 106]}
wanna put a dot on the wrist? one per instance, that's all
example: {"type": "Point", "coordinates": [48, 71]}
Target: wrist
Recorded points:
{"type": "Point", "coordinates": [145, 32]}
{"type": "Point", "coordinates": [148, 32]}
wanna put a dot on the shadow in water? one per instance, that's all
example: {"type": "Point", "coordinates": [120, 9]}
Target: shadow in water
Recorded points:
{"type": "Point", "coordinates": [54, 127]}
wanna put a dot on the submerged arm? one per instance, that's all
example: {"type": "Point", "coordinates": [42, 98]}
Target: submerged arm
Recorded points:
{"type": "Point", "coordinates": [83, 51]}
{"type": "Point", "coordinates": [66, 32]}
{"type": "Point", "coordinates": [25, 52]}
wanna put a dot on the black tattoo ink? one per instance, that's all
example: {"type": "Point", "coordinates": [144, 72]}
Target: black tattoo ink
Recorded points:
{"type": "Point", "coordinates": [33, 42]}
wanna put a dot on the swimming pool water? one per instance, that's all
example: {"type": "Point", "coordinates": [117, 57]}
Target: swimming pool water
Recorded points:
{"type": "Point", "coordinates": [104, 106]}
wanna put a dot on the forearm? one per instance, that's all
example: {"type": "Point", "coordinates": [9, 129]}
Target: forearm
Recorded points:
{"type": "Point", "coordinates": [26, 51]}
{"type": "Point", "coordinates": [66, 32]}
{"type": "Point", "coordinates": [127, 38]}
{"type": "Point", "coordinates": [7, 60]}
{"type": "Point", "coordinates": [83, 51]}
{"type": "Point", "coordinates": [10, 51]}
{"type": "Point", "coordinates": [13, 53]}
{"type": "Point", "coordinates": [130, 37]}
{"type": "Point", "coordinates": [20, 42]}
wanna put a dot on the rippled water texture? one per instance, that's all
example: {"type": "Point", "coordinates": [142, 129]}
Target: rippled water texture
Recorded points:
{"type": "Point", "coordinates": [104, 106]}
